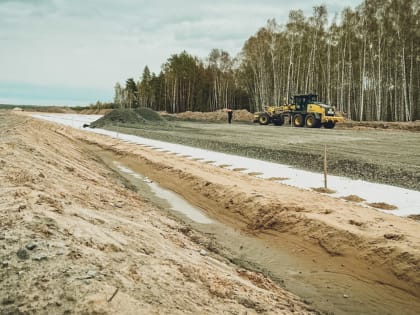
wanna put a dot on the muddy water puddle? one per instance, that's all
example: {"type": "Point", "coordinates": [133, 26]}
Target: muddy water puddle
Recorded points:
{"type": "Point", "coordinates": [166, 197]}
{"type": "Point", "coordinates": [318, 279]}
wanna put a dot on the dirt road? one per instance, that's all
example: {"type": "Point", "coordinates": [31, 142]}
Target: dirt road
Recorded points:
{"type": "Point", "coordinates": [58, 194]}
{"type": "Point", "coordinates": [75, 239]}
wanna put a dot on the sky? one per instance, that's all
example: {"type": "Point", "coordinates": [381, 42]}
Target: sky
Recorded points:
{"type": "Point", "coordinates": [72, 52]}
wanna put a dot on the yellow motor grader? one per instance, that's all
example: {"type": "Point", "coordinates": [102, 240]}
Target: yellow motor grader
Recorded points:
{"type": "Point", "coordinates": [305, 110]}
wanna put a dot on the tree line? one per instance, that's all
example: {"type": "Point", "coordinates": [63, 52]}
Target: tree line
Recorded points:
{"type": "Point", "coordinates": [366, 62]}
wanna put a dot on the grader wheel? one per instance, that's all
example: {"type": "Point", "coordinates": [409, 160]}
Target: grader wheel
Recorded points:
{"type": "Point", "coordinates": [298, 120]}
{"type": "Point", "coordinates": [312, 122]}
{"type": "Point", "coordinates": [329, 124]}
{"type": "Point", "coordinates": [278, 121]}
{"type": "Point", "coordinates": [264, 119]}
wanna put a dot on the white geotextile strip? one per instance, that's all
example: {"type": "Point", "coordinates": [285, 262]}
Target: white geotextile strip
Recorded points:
{"type": "Point", "coordinates": [407, 201]}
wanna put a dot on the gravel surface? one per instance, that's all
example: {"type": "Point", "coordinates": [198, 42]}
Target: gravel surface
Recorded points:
{"type": "Point", "coordinates": [383, 156]}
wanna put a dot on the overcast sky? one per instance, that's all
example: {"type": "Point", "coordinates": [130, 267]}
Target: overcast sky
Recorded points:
{"type": "Point", "coordinates": [72, 52]}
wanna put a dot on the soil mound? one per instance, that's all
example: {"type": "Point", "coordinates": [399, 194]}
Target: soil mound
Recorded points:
{"type": "Point", "coordinates": [128, 117]}
{"type": "Point", "coordinates": [119, 116]}
{"type": "Point", "coordinates": [220, 115]}
{"type": "Point", "coordinates": [413, 126]}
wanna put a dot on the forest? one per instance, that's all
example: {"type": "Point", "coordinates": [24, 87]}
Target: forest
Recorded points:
{"type": "Point", "coordinates": [365, 61]}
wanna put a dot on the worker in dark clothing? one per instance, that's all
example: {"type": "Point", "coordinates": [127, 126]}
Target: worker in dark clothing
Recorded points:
{"type": "Point", "coordinates": [230, 115]}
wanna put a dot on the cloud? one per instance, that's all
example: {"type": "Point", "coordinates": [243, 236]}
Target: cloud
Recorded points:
{"type": "Point", "coordinates": [95, 43]}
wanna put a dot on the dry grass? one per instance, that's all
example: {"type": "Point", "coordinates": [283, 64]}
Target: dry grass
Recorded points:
{"type": "Point", "coordinates": [353, 198]}
{"type": "Point", "coordinates": [255, 173]}
{"type": "Point", "coordinates": [357, 223]}
{"type": "Point", "coordinates": [382, 205]}
{"type": "Point", "coordinates": [414, 217]}
{"type": "Point", "coordinates": [392, 236]}
{"type": "Point", "coordinates": [278, 178]}
{"type": "Point", "coordinates": [324, 190]}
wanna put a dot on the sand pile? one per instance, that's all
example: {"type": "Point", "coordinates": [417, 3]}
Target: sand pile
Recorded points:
{"type": "Point", "coordinates": [220, 115]}
{"type": "Point", "coordinates": [409, 126]}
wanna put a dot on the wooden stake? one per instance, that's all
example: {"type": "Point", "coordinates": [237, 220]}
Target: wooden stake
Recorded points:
{"type": "Point", "coordinates": [325, 167]}
{"type": "Point", "coordinates": [113, 295]}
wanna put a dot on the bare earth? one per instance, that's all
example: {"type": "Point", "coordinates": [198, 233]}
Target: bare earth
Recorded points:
{"type": "Point", "coordinates": [94, 236]}
{"type": "Point", "coordinates": [103, 248]}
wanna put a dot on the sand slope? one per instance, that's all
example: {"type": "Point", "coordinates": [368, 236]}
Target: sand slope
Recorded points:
{"type": "Point", "coordinates": [74, 239]}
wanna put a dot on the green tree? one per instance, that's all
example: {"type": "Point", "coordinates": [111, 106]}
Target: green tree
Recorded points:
{"type": "Point", "coordinates": [131, 93]}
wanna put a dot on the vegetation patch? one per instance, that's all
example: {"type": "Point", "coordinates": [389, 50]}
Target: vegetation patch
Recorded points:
{"type": "Point", "coordinates": [382, 205]}
{"type": "Point", "coordinates": [324, 190]}
{"type": "Point", "coordinates": [357, 223]}
{"type": "Point", "coordinates": [414, 217]}
{"type": "Point", "coordinates": [353, 198]}
{"type": "Point", "coordinates": [255, 173]}
{"type": "Point", "coordinates": [392, 236]}
{"type": "Point", "coordinates": [278, 178]}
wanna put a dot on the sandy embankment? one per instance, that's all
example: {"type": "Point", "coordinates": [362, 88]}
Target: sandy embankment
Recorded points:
{"type": "Point", "coordinates": [376, 246]}
{"type": "Point", "coordinates": [74, 239]}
